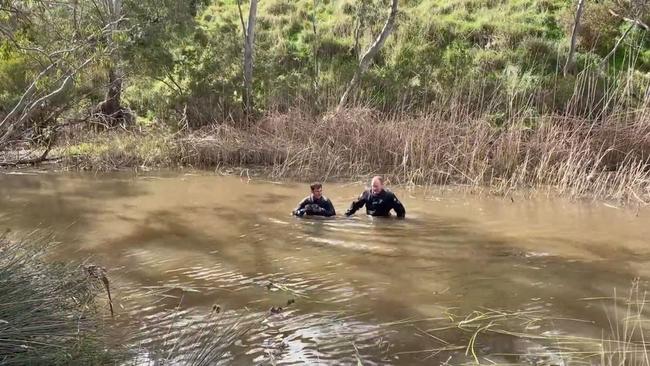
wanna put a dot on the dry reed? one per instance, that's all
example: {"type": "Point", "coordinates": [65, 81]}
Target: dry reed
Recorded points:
{"type": "Point", "coordinates": [532, 337]}
{"type": "Point", "coordinates": [608, 160]}
{"type": "Point", "coordinates": [46, 309]}
{"type": "Point", "coordinates": [597, 145]}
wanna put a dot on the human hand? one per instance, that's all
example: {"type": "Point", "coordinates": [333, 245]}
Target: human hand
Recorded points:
{"type": "Point", "coordinates": [314, 208]}
{"type": "Point", "coordinates": [299, 213]}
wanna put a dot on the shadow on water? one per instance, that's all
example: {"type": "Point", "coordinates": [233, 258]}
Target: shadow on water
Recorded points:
{"type": "Point", "coordinates": [57, 203]}
{"type": "Point", "coordinates": [486, 272]}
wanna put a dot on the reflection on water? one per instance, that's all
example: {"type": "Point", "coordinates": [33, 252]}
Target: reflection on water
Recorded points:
{"type": "Point", "coordinates": [179, 245]}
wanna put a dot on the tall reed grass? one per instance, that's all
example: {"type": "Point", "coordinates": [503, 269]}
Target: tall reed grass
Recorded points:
{"type": "Point", "coordinates": [597, 145]}
{"type": "Point", "coordinates": [47, 310]}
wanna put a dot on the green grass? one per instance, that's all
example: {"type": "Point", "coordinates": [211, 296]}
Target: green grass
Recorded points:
{"type": "Point", "coordinates": [436, 43]}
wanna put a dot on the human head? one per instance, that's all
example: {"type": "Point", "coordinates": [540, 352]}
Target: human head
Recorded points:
{"type": "Point", "coordinates": [377, 184]}
{"type": "Point", "coordinates": [316, 190]}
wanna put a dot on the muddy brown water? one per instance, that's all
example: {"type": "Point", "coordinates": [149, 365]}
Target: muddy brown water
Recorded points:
{"type": "Point", "coordinates": [177, 244]}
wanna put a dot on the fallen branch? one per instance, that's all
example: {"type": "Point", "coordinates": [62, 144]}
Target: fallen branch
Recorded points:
{"type": "Point", "coordinates": [39, 159]}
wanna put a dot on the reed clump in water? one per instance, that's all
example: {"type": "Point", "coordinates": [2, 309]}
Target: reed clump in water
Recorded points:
{"type": "Point", "coordinates": [49, 315]}
{"type": "Point", "coordinates": [47, 312]}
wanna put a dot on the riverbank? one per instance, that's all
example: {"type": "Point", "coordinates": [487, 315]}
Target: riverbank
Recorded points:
{"type": "Point", "coordinates": [605, 159]}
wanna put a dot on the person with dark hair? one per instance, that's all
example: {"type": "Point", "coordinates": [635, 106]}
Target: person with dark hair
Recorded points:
{"type": "Point", "coordinates": [315, 204]}
{"type": "Point", "coordinates": [378, 201]}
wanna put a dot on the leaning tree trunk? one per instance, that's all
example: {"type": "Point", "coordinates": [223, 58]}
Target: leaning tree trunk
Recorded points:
{"type": "Point", "coordinates": [370, 54]}
{"type": "Point", "coordinates": [111, 108]}
{"type": "Point", "coordinates": [568, 66]}
{"type": "Point", "coordinates": [249, 44]}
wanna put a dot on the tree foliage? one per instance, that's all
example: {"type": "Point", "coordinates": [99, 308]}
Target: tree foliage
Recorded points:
{"type": "Point", "coordinates": [182, 60]}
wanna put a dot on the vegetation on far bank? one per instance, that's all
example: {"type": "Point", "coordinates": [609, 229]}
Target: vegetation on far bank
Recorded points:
{"type": "Point", "coordinates": [570, 155]}
{"type": "Point", "coordinates": [462, 92]}
{"type": "Point", "coordinates": [181, 63]}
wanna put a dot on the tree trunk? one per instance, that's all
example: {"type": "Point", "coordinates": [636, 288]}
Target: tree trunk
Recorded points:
{"type": "Point", "coordinates": [249, 43]}
{"type": "Point", "coordinates": [568, 66]}
{"type": "Point", "coordinates": [358, 29]}
{"type": "Point", "coordinates": [111, 106]}
{"type": "Point", "coordinates": [370, 54]}
{"type": "Point", "coordinates": [315, 50]}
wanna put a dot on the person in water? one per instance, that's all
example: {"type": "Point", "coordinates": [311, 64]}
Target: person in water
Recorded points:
{"type": "Point", "coordinates": [315, 204]}
{"type": "Point", "coordinates": [378, 201]}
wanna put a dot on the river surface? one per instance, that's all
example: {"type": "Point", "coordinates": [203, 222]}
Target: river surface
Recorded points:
{"type": "Point", "coordinates": [526, 272]}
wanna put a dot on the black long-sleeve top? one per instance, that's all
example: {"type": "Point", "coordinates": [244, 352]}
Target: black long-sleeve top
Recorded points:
{"type": "Point", "coordinates": [318, 207]}
{"type": "Point", "coordinates": [378, 204]}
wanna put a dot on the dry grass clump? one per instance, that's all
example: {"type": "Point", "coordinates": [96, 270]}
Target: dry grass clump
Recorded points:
{"type": "Point", "coordinates": [609, 159]}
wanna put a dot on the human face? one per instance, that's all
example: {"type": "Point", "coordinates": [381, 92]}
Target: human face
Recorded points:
{"type": "Point", "coordinates": [317, 193]}
{"type": "Point", "coordinates": [377, 186]}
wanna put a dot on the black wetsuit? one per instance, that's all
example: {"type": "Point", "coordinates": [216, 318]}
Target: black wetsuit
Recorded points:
{"type": "Point", "coordinates": [378, 204]}
{"type": "Point", "coordinates": [317, 207]}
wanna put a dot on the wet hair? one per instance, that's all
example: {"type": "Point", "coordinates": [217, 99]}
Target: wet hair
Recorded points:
{"type": "Point", "coordinates": [379, 178]}
{"type": "Point", "coordinates": [315, 185]}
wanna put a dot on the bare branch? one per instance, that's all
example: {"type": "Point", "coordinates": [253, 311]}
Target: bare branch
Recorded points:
{"type": "Point", "coordinates": [636, 22]}
{"type": "Point", "coordinates": [39, 159]}
{"type": "Point", "coordinates": [248, 57]}
{"type": "Point", "coordinates": [171, 77]}
{"type": "Point", "coordinates": [618, 43]}
{"type": "Point", "coordinates": [27, 94]}
{"type": "Point", "coordinates": [28, 111]}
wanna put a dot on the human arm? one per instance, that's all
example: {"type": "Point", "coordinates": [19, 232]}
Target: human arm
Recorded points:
{"type": "Point", "coordinates": [398, 207]}
{"type": "Point", "coordinates": [356, 205]}
{"type": "Point", "coordinates": [300, 209]}
{"type": "Point", "coordinates": [328, 209]}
